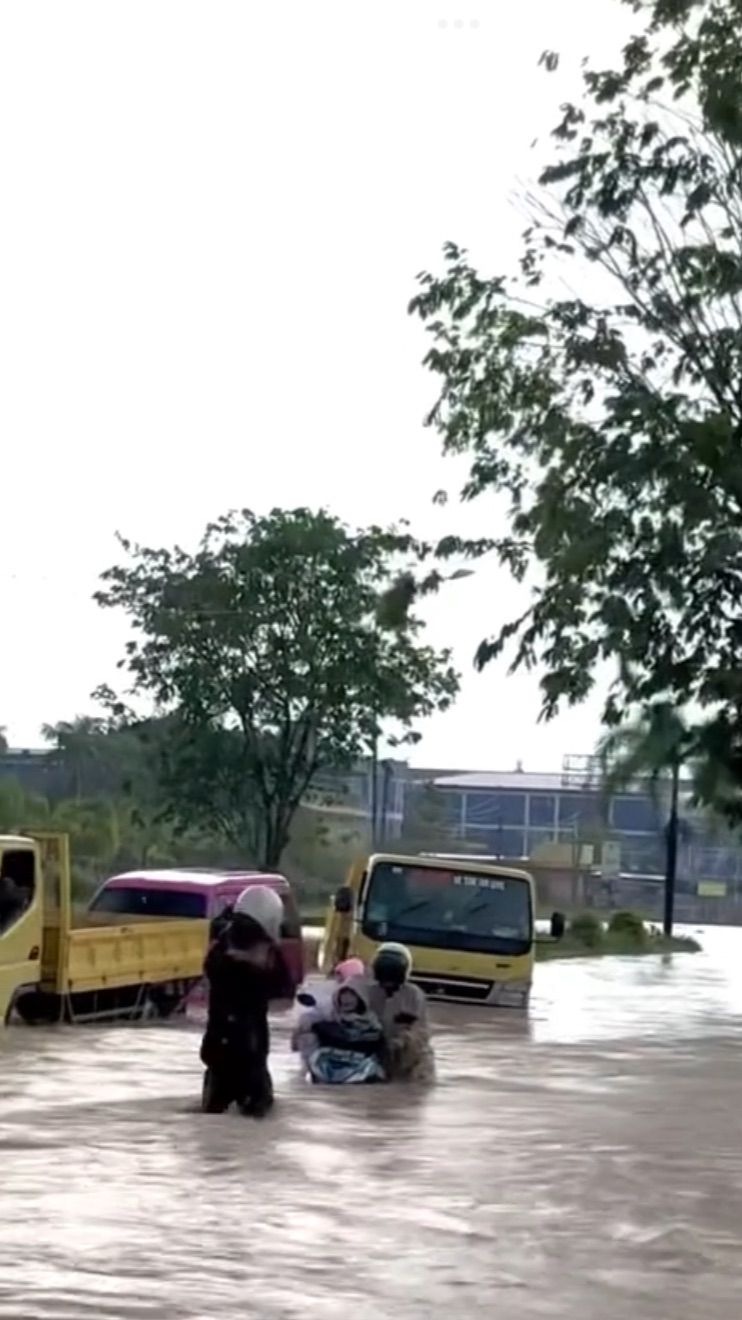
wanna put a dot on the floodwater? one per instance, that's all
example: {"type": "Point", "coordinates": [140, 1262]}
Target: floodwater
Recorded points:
{"type": "Point", "coordinates": [586, 1161]}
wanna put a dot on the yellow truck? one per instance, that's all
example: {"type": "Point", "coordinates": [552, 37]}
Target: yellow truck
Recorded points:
{"type": "Point", "coordinates": [52, 969]}
{"type": "Point", "coordinates": [469, 924]}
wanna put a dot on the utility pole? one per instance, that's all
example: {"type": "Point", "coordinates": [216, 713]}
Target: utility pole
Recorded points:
{"type": "Point", "coordinates": [386, 781]}
{"type": "Point", "coordinates": [374, 790]}
{"type": "Point", "coordinates": [671, 850]}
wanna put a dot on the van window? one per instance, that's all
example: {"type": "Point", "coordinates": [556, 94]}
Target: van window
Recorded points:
{"type": "Point", "coordinates": [17, 885]}
{"type": "Point", "coordinates": [134, 901]}
{"type": "Point", "coordinates": [291, 925]}
{"type": "Point", "coordinates": [221, 901]}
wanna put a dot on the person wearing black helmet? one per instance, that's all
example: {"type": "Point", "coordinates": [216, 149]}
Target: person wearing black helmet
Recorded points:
{"type": "Point", "coordinates": [403, 1011]}
{"type": "Point", "coordinates": [245, 970]}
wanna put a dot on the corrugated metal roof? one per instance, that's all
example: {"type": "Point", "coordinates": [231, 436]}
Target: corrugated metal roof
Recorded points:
{"type": "Point", "coordinates": [488, 781]}
{"type": "Point", "coordinates": [514, 779]}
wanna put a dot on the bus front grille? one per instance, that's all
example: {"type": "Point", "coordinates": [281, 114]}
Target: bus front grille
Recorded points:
{"type": "Point", "coordinates": [450, 987]}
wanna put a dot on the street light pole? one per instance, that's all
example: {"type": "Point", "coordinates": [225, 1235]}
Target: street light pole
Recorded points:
{"type": "Point", "coordinates": [374, 790]}
{"type": "Point", "coordinates": [671, 850]}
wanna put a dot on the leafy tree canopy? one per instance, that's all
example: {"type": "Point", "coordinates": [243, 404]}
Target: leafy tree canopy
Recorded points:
{"type": "Point", "coordinates": [612, 425]}
{"type": "Point", "coordinates": [270, 650]}
{"type": "Point", "coordinates": [646, 748]}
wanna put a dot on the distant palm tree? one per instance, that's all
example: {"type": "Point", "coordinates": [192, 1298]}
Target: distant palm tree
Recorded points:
{"type": "Point", "coordinates": [656, 748]}
{"type": "Point", "coordinates": [79, 742]}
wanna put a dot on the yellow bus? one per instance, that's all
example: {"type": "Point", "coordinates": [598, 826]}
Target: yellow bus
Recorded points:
{"type": "Point", "coordinates": [469, 925]}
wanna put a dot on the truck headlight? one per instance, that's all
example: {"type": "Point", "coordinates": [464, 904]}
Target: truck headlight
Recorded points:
{"type": "Point", "coordinates": [512, 994]}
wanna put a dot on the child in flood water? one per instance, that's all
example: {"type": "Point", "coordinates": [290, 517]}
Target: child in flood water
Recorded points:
{"type": "Point", "coordinates": [245, 970]}
{"type": "Point", "coordinates": [316, 1004]}
{"type": "Point", "coordinates": [348, 1041]}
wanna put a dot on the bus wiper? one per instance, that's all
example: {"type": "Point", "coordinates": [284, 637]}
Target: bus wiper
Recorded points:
{"type": "Point", "coordinates": [412, 907]}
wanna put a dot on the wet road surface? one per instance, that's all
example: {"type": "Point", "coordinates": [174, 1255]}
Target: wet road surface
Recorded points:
{"type": "Point", "coordinates": [586, 1161]}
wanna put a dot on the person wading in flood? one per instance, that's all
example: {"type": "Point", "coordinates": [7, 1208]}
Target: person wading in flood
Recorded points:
{"type": "Point", "coordinates": [402, 1010]}
{"type": "Point", "coordinates": [245, 970]}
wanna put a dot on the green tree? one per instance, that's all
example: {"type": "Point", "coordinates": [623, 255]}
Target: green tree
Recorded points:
{"type": "Point", "coordinates": [79, 742]}
{"type": "Point", "coordinates": [655, 749]}
{"type": "Point", "coordinates": [320, 851]}
{"type": "Point", "coordinates": [12, 806]}
{"type": "Point", "coordinates": [428, 826]}
{"type": "Point", "coordinates": [135, 752]}
{"type": "Point", "coordinates": [93, 827]}
{"type": "Point", "coordinates": [266, 651]}
{"type": "Point", "coordinates": [610, 420]}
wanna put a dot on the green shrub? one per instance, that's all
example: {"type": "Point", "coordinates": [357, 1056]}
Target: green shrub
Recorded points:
{"type": "Point", "coordinates": [587, 929]}
{"type": "Point", "coordinates": [629, 925]}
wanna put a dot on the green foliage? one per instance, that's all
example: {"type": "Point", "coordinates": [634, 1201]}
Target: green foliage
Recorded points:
{"type": "Point", "coordinates": [616, 946]}
{"type": "Point", "coordinates": [102, 836]}
{"type": "Point", "coordinates": [611, 419]}
{"type": "Point", "coordinates": [270, 654]}
{"type": "Point", "coordinates": [587, 929]}
{"type": "Point", "coordinates": [658, 749]}
{"type": "Point", "coordinates": [320, 851]}
{"type": "Point", "coordinates": [118, 819]}
{"type": "Point", "coordinates": [628, 924]}
{"type": "Point", "coordinates": [427, 826]}
{"type": "Point", "coordinates": [109, 835]}
{"type": "Point", "coordinates": [80, 743]}
{"type": "Point", "coordinates": [12, 803]}
{"type": "Point", "coordinates": [655, 746]}
{"type": "Point", "coordinates": [700, 57]}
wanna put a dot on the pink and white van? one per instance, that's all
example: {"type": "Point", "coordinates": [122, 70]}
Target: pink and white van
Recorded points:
{"type": "Point", "coordinates": [200, 895]}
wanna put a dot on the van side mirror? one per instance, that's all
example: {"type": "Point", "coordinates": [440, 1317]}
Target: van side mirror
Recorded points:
{"type": "Point", "coordinates": [344, 900]}
{"type": "Point", "coordinates": [558, 925]}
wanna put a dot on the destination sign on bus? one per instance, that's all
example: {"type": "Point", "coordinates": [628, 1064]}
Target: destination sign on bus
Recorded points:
{"type": "Point", "coordinates": [433, 875]}
{"type": "Point", "coordinates": [478, 881]}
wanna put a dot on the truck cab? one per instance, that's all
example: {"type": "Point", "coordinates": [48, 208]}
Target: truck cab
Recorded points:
{"type": "Point", "coordinates": [52, 970]}
{"type": "Point", "coordinates": [468, 924]}
{"type": "Point", "coordinates": [31, 916]}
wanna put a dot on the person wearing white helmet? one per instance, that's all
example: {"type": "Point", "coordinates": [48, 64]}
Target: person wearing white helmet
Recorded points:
{"type": "Point", "coordinates": [245, 970]}
{"type": "Point", "coordinates": [254, 902]}
{"type": "Point", "coordinates": [262, 905]}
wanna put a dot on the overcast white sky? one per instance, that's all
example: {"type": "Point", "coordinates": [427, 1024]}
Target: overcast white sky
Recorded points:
{"type": "Point", "coordinates": [212, 216]}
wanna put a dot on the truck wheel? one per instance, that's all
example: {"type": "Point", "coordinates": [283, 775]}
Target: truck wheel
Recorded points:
{"type": "Point", "coordinates": [38, 1009]}
{"type": "Point", "coordinates": [164, 1003]}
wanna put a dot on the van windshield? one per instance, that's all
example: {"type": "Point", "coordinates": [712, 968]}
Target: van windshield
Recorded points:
{"type": "Point", "coordinates": [137, 901]}
{"type": "Point", "coordinates": [465, 910]}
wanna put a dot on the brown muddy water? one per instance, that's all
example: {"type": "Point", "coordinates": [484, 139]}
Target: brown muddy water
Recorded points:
{"type": "Point", "coordinates": [585, 1161]}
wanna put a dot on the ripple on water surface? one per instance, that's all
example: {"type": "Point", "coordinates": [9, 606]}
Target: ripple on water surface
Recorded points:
{"type": "Point", "coordinates": [586, 1158]}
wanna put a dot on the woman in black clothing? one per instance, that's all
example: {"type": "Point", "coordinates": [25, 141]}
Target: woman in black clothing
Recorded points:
{"type": "Point", "coordinates": [245, 970]}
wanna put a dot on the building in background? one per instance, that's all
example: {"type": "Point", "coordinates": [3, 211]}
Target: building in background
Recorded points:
{"type": "Point", "coordinates": [500, 813]}
{"type": "Point", "coordinates": [37, 770]}
{"type": "Point", "coordinates": [514, 813]}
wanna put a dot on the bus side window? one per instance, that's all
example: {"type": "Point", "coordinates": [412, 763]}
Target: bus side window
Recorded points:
{"type": "Point", "coordinates": [291, 924]}
{"type": "Point", "coordinates": [17, 885]}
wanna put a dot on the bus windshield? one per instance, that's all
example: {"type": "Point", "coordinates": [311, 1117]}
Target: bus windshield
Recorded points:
{"type": "Point", "coordinates": [452, 909]}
